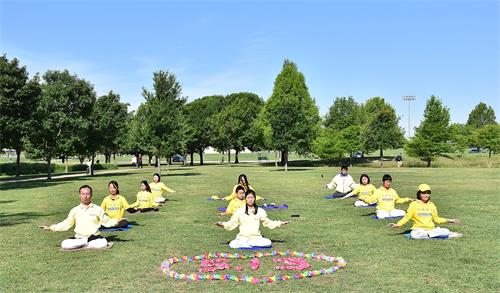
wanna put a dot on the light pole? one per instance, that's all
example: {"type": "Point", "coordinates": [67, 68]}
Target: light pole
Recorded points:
{"type": "Point", "coordinates": [409, 99]}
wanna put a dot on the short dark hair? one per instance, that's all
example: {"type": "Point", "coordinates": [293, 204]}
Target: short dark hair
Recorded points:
{"type": "Point", "coordinates": [386, 177]}
{"type": "Point", "coordinates": [344, 167]}
{"type": "Point", "coordinates": [85, 186]}
{"type": "Point", "coordinates": [239, 187]}
{"type": "Point", "coordinates": [159, 177]}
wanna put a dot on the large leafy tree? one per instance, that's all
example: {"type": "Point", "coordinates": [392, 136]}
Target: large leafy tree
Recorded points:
{"type": "Point", "coordinates": [19, 97]}
{"type": "Point", "coordinates": [432, 137]}
{"type": "Point", "coordinates": [343, 113]}
{"type": "Point", "coordinates": [291, 114]}
{"type": "Point", "coordinates": [109, 123]}
{"type": "Point", "coordinates": [489, 137]}
{"type": "Point", "coordinates": [138, 138]}
{"type": "Point", "coordinates": [328, 145]}
{"type": "Point", "coordinates": [381, 130]}
{"type": "Point", "coordinates": [232, 125]}
{"type": "Point", "coordinates": [164, 108]}
{"type": "Point", "coordinates": [460, 137]}
{"type": "Point", "coordinates": [198, 113]}
{"type": "Point", "coordinates": [481, 115]}
{"type": "Point", "coordinates": [63, 116]}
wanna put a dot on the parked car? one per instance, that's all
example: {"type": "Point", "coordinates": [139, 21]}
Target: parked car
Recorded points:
{"type": "Point", "coordinates": [357, 154]}
{"type": "Point", "coordinates": [474, 150]}
{"type": "Point", "coordinates": [178, 159]}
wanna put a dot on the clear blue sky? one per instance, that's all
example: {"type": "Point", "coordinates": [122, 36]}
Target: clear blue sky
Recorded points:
{"type": "Point", "coordinates": [344, 48]}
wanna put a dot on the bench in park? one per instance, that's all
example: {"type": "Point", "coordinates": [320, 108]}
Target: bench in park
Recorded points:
{"type": "Point", "coordinates": [260, 159]}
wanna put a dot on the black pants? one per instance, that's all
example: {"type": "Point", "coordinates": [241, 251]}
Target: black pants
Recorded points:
{"type": "Point", "coordinates": [144, 210]}
{"type": "Point", "coordinates": [339, 194]}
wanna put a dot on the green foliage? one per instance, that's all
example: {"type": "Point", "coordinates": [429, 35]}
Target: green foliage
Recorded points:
{"type": "Point", "coordinates": [164, 114]}
{"type": "Point", "coordinates": [432, 137]}
{"type": "Point", "coordinates": [460, 137]}
{"type": "Point", "coordinates": [290, 113]}
{"type": "Point", "coordinates": [328, 145]}
{"type": "Point", "coordinates": [19, 97]}
{"type": "Point", "coordinates": [488, 137]}
{"type": "Point", "coordinates": [382, 130]}
{"type": "Point", "coordinates": [343, 113]}
{"type": "Point", "coordinates": [138, 138]}
{"type": "Point", "coordinates": [232, 125]}
{"type": "Point", "coordinates": [481, 115]}
{"type": "Point", "coordinates": [41, 168]}
{"type": "Point", "coordinates": [198, 113]}
{"type": "Point", "coordinates": [109, 124]}
{"type": "Point", "coordinates": [63, 115]}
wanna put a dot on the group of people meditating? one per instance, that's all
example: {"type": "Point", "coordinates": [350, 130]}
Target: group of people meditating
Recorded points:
{"type": "Point", "coordinates": [88, 218]}
{"type": "Point", "coordinates": [421, 210]}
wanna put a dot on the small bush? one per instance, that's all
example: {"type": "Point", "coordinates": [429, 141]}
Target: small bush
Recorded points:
{"type": "Point", "coordinates": [41, 168]}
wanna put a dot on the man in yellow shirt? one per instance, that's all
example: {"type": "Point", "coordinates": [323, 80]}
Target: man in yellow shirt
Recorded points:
{"type": "Point", "coordinates": [386, 199]}
{"type": "Point", "coordinates": [424, 215]}
{"type": "Point", "coordinates": [87, 218]}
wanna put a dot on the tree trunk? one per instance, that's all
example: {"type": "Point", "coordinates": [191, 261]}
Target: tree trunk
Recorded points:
{"type": "Point", "coordinates": [149, 159]}
{"type": "Point", "coordinates": [489, 158]}
{"type": "Point", "coordinates": [350, 160]}
{"type": "Point", "coordinates": [92, 166]}
{"type": "Point", "coordinates": [229, 156]}
{"type": "Point", "coordinates": [201, 157]}
{"type": "Point", "coordinates": [169, 161]}
{"type": "Point", "coordinates": [49, 172]}
{"type": "Point", "coordinates": [191, 155]}
{"type": "Point", "coordinates": [81, 158]}
{"type": "Point", "coordinates": [66, 167]}
{"type": "Point", "coordinates": [222, 157]}
{"type": "Point", "coordinates": [114, 157]}
{"type": "Point", "coordinates": [107, 157]}
{"type": "Point", "coordinates": [381, 158]}
{"type": "Point", "coordinates": [284, 159]}
{"type": "Point", "coordinates": [63, 158]}
{"type": "Point", "coordinates": [428, 163]}
{"type": "Point", "coordinates": [158, 163]}
{"type": "Point", "coordinates": [276, 159]}
{"type": "Point", "coordinates": [18, 161]}
{"type": "Point", "coordinates": [236, 161]}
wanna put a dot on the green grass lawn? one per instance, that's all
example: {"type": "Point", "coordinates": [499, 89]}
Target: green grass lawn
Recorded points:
{"type": "Point", "coordinates": [379, 258]}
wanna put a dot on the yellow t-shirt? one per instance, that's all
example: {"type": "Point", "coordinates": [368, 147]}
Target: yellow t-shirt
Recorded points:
{"type": "Point", "coordinates": [386, 198]}
{"type": "Point", "coordinates": [233, 195]}
{"type": "Point", "coordinates": [234, 205]}
{"type": "Point", "coordinates": [365, 193]}
{"type": "Point", "coordinates": [424, 215]}
{"type": "Point", "coordinates": [115, 208]}
{"type": "Point", "coordinates": [158, 188]}
{"type": "Point", "coordinates": [144, 200]}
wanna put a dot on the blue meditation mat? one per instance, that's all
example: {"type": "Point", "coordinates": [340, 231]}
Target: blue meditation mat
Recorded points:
{"type": "Point", "coordinates": [442, 237]}
{"type": "Point", "coordinates": [129, 226]}
{"type": "Point", "coordinates": [266, 207]}
{"type": "Point", "coordinates": [255, 247]}
{"type": "Point", "coordinates": [333, 196]}
{"type": "Point", "coordinates": [377, 218]}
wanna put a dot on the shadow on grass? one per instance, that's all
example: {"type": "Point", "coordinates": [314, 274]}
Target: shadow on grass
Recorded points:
{"type": "Point", "coordinates": [7, 201]}
{"type": "Point", "coordinates": [370, 214]}
{"type": "Point", "coordinates": [183, 174]}
{"type": "Point", "coordinates": [115, 238]}
{"type": "Point", "coordinates": [53, 182]}
{"type": "Point", "coordinates": [290, 170]}
{"type": "Point", "coordinates": [7, 219]}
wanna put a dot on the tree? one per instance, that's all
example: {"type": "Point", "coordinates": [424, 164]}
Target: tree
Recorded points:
{"type": "Point", "coordinates": [460, 137]}
{"type": "Point", "coordinates": [481, 115]}
{"type": "Point", "coordinates": [343, 113]}
{"type": "Point", "coordinates": [488, 137]}
{"type": "Point", "coordinates": [327, 145]}
{"type": "Point", "coordinates": [198, 113]}
{"type": "Point", "coordinates": [63, 116]}
{"type": "Point", "coordinates": [382, 131]}
{"type": "Point", "coordinates": [19, 98]}
{"type": "Point", "coordinates": [138, 138]}
{"type": "Point", "coordinates": [164, 108]}
{"type": "Point", "coordinates": [432, 137]}
{"type": "Point", "coordinates": [351, 140]}
{"type": "Point", "coordinates": [109, 122]}
{"type": "Point", "coordinates": [291, 114]}
{"type": "Point", "coordinates": [232, 125]}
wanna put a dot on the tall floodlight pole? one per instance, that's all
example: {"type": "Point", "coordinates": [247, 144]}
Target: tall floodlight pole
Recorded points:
{"type": "Point", "coordinates": [409, 99]}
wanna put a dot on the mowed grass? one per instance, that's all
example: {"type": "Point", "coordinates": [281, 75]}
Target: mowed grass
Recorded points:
{"type": "Point", "coordinates": [379, 258]}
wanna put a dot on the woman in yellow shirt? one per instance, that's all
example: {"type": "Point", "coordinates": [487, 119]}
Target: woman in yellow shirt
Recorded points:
{"type": "Point", "coordinates": [424, 215]}
{"type": "Point", "coordinates": [144, 202]}
{"type": "Point", "coordinates": [243, 182]}
{"type": "Point", "coordinates": [248, 218]}
{"type": "Point", "coordinates": [115, 205]}
{"type": "Point", "coordinates": [157, 189]}
{"type": "Point", "coordinates": [364, 191]}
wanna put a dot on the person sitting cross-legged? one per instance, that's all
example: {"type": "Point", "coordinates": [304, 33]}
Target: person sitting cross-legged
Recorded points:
{"type": "Point", "coordinates": [87, 218]}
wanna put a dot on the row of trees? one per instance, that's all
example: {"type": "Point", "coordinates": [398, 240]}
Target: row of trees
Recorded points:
{"type": "Point", "coordinates": [59, 115]}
